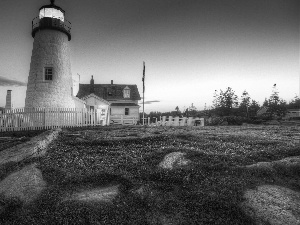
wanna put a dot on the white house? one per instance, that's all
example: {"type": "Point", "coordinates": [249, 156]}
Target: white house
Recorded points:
{"type": "Point", "coordinates": [122, 99]}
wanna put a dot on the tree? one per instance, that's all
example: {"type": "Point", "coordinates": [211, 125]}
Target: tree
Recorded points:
{"type": "Point", "coordinates": [227, 100]}
{"type": "Point", "coordinates": [253, 108]}
{"type": "Point", "coordinates": [216, 103]}
{"type": "Point", "coordinates": [294, 104]}
{"type": "Point", "coordinates": [191, 110]}
{"type": "Point", "coordinates": [245, 103]}
{"type": "Point", "coordinates": [192, 107]}
{"type": "Point", "coordinates": [266, 103]}
{"type": "Point", "coordinates": [277, 106]}
{"type": "Point", "coordinates": [224, 102]}
{"type": "Point", "coordinates": [177, 108]}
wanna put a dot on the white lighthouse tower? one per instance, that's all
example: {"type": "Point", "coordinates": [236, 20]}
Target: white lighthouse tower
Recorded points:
{"type": "Point", "coordinates": [50, 77]}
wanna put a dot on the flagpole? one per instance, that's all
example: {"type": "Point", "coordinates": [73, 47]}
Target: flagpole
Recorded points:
{"type": "Point", "coordinates": [143, 93]}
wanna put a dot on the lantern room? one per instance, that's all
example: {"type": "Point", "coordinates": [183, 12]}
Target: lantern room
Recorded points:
{"type": "Point", "coordinates": [51, 17]}
{"type": "Point", "coordinates": [52, 11]}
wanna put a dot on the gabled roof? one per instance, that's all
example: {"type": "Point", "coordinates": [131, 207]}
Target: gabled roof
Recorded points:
{"type": "Point", "coordinates": [109, 91]}
{"type": "Point", "coordinates": [262, 110]}
{"type": "Point", "coordinates": [78, 99]}
{"type": "Point", "coordinates": [95, 96]}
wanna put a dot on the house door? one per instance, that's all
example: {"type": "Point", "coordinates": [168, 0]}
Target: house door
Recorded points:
{"type": "Point", "coordinates": [102, 114]}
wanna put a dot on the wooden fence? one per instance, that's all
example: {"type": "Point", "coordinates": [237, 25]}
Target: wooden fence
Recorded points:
{"type": "Point", "coordinates": [175, 121]}
{"type": "Point", "coordinates": [49, 118]}
{"type": "Point", "coordinates": [123, 120]}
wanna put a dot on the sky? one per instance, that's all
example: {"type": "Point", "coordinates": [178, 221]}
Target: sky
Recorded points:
{"type": "Point", "coordinates": [190, 47]}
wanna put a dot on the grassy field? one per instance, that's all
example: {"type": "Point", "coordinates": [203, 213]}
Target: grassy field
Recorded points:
{"type": "Point", "coordinates": [207, 191]}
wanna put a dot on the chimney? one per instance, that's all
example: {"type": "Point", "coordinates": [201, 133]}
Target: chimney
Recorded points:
{"type": "Point", "coordinates": [112, 82]}
{"type": "Point", "coordinates": [92, 85]}
{"type": "Point", "coordinates": [8, 104]}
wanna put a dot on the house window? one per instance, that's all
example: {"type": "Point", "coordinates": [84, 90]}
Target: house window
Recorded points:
{"type": "Point", "coordinates": [126, 111]}
{"type": "Point", "coordinates": [126, 92]}
{"type": "Point", "coordinates": [48, 73]}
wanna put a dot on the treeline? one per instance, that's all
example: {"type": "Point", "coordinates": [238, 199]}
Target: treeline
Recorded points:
{"type": "Point", "coordinates": [227, 106]}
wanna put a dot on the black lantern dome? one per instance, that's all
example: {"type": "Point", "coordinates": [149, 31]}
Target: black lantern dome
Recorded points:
{"type": "Point", "coordinates": [51, 17]}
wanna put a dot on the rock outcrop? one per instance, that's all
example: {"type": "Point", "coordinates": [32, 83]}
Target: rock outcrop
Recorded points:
{"type": "Point", "coordinates": [25, 184]}
{"type": "Point", "coordinates": [275, 205]}
{"type": "Point", "coordinates": [33, 148]}
{"type": "Point", "coordinates": [174, 160]}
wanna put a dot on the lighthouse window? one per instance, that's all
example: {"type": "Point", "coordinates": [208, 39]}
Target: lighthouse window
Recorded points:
{"type": "Point", "coordinates": [48, 73]}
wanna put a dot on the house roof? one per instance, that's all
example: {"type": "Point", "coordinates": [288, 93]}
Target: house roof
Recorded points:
{"type": "Point", "coordinates": [108, 91]}
{"type": "Point", "coordinates": [124, 104]}
{"type": "Point", "coordinates": [262, 110]}
{"type": "Point", "coordinates": [97, 97]}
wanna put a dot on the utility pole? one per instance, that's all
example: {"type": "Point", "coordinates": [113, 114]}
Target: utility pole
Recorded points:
{"type": "Point", "coordinates": [143, 93]}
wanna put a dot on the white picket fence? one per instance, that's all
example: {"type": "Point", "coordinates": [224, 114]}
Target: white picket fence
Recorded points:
{"type": "Point", "coordinates": [175, 121]}
{"type": "Point", "coordinates": [123, 120]}
{"type": "Point", "coordinates": [49, 118]}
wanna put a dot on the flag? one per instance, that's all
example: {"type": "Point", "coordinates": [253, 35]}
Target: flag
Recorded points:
{"type": "Point", "coordinates": [143, 77]}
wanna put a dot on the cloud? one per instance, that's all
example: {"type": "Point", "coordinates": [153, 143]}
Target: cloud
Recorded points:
{"type": "Point", "coordinates": [8, 82]}
{"type": "Point", "coordinates": [149, 102]}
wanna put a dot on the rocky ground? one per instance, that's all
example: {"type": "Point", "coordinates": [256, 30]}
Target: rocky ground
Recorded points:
{"type": "Point", "coordinates": [153, 175]}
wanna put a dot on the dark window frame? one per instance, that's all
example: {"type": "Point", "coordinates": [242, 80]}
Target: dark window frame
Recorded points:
{"type": "Point", "coordinates": [48, 72]}
{"type": "Point", "coordinates": [127, 113]}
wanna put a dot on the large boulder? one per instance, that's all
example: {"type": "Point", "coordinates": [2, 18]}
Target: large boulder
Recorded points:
{"type": "Point", "coordinates": [174, 160]}
{"type": "Point", "coordinates": [274, 205]}
{"type": "Point", "coordinates": [25, 184]}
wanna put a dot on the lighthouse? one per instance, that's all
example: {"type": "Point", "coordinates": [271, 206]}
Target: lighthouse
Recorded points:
{"type": "Point", "coordinates": [50, 78]}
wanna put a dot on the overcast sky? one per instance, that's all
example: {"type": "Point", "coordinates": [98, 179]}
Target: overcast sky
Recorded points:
{"type": "Point", "coordinates": [191, 47]}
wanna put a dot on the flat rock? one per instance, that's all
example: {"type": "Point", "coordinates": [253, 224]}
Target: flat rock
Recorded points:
{"type": "Point", "coordinates": [275, 205]}
{"type": "Point", "coordinates": [174, 160]}
{"type": "Point", "coordinates": [100, 194]}
{"type": "Point", "coordinates": [25, 184]}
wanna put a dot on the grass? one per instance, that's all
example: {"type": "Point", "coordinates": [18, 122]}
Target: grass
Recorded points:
{"type": "Point", "coordinates": [208, 191]}
{"type": "Point", "coordinates": [16, 137]}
